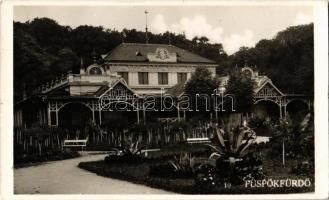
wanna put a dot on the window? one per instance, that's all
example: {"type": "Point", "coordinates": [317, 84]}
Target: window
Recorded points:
{"type": "Point", "coordinates": [163, 78]}
{"type": "Point", "coordinates": [95, 71]}
{"type": "Point", "coordinates": [124, 75]}
{"type": "Point", "coordinates": [181, 77]}
{"type": "Point", "coordinates": [143, 78]}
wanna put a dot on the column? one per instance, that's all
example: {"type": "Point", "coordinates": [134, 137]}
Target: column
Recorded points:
{"type": "Point", "coordinates": [137, 115]}
{"type": "Point", "coordinates": [56, 114]}
{"type": "Point", "coordinates": [100, 117]}
{"type": "Point", "coordinates": [93, 112]}
{"type": "Point", "coordinates": [56, 117]}
{"type": "Point", "coordinates": [144, 114]}
{"type": "Point", "coordinates": [48, 112]}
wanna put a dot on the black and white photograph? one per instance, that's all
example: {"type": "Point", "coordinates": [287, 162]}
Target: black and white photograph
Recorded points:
{"type": "Point", "coordinates": [165, 99]}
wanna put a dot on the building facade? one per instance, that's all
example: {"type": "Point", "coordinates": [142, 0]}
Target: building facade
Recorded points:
{"type": "Point", "coordinates": [130, 71]}
{"type": "Point", "coordinates": [269, 100]}
{"type": "Point", "coordinates": [148, 68]}
{"type": "Point", "coordinates": [128, 75]}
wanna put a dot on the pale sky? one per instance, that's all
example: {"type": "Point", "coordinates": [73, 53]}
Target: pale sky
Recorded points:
{"type": "Point", "coordinates": [233, 26]}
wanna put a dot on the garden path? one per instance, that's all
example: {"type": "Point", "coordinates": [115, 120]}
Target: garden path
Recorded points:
{"type": "Point", "coordinates": [64, 177]}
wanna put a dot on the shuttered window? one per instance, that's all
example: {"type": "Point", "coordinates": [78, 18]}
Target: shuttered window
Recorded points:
{"type": "Point", "coordinates": [181, 77]}
{"type": "Point", "coordinates": [143, 78]}
{"type": "Point", "coordinates": [163, 78]}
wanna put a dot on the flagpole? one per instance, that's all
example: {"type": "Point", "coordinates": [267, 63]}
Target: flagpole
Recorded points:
{"type": "Point", "coordinates": [146, 31]}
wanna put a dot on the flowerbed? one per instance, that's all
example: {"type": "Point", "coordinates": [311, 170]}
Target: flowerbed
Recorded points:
{"type": "Point", "coordinates": [139, 173]}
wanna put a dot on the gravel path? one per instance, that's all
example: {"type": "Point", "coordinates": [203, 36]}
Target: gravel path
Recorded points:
{"type": "Point", "coordinates": [64, 177]}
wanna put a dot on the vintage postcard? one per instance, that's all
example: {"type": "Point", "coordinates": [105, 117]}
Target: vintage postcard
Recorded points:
{"type": "Point", "coordinates": [164, 100]}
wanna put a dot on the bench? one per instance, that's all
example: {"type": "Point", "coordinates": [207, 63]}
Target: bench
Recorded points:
{"type": "Point", "coordinates": [198, 140]}
{"type": "Point", "coordinates": [75, 143]}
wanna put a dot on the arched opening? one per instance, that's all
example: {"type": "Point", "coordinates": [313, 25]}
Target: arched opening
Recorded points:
{"type": "Point", "coordinates": [266, 109]}
{"type": "Point", "coordinates": [297, 109]}
{"type": "Point", "coordinates": [74, 115]}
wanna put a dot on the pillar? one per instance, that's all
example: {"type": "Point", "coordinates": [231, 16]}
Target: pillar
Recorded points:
{"type": "Point", "coordinates": [100, 117]}
{"type": "Point", "coordinates": [56, 117]}
{"type": "Point", "coordinates": [48, 114]}
{"type": "Point", "coordinates": [178, 112]}
{"type": "Point", "coordinates": [144, 114]}
{"type": "Point", "coordinates": [93, 112]}
{"type": "Point", "coordinates": [137, 115]}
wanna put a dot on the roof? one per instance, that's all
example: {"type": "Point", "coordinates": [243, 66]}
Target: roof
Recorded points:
{"type": "Point", "coordinates": [176, 90]}
{"type": "Point", "coordinates": [268, 81]}
{"type": "Point", "coordinates": [136, 52]}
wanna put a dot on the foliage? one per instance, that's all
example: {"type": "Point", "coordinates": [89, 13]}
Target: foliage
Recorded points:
{"type": "Point", "coordinates": [232, 143]}
{"type": "Point", "coordinates": [242, 89]}
{"type": "Point", "coordinates": [298, 138]}
{"type": "Point", "coordinates": [287, 59]}
{"type": "Point", "coordinates": [201, 83]}
{"type": "Point", "coordinates": [131, 153]}
{"type": "Point", "coordinates": [233, 162]}
{"type": "Point", "coordinates": [178, 166]}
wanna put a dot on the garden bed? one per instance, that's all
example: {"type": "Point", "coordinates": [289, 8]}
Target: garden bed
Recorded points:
{"type": "Point", "coordinates": [139, 173]}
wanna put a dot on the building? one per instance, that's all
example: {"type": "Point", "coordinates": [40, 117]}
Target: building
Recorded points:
{"type": "Point", "coordinates": [128, 75]}
{"type": "Point", "coordinates": [148, 68]}
{"type": "Point", "coordinates": [269, 100]}
{"type": "Point", "coordinates": [129, 72]}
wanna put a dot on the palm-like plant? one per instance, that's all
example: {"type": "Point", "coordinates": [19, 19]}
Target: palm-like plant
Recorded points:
{"type": "Point", "coordinates": [232, 143]}
{"type": "Point", "coordinates": [133, 149]}
{"type": "Point", "coordinates": [233, 163]}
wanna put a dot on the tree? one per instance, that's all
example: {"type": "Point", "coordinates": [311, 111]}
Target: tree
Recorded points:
{"type": "Point", "coordinates": [49, 34]}
{"type": "Point", "coordinates": [287, 59]}
{"type": "Point", "coordinates": [201, 83]}
{"type": "Point", "coordinates": [242, 88]}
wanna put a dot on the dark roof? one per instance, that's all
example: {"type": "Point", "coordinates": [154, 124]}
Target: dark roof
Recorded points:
{"type": "Point", "coordinates": [134, 52]}
{"type": "Point", "coordinates": [101, 90]}
{"type": "Point", "coordinates": [176, 90]}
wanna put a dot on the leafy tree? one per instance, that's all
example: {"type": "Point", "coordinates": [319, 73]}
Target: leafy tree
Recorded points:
{"type": "Point", "coordinates": [287, 59]}
{"type": "Point", "coordinates": [201, 83]}
{"type": "Point", "coordinates": [49, 34]}
{"type": "Point", "coordinates": [242, 88]}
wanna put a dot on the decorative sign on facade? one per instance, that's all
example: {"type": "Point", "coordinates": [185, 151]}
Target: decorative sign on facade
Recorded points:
{"type": "Point", "coordinates": [267, 90]}
{"type": "Point", "coordinates": [162, 55]}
